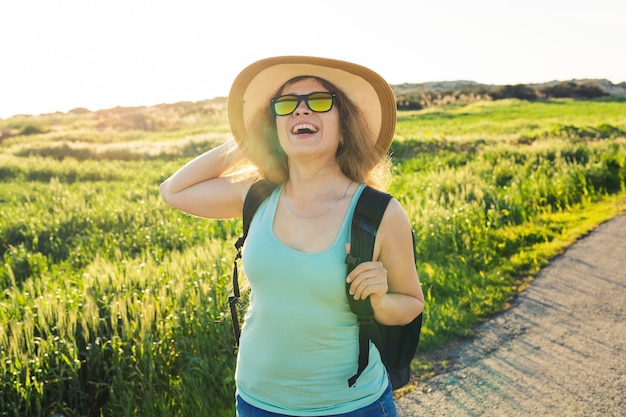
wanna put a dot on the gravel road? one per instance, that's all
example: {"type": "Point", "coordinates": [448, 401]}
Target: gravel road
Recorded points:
{"type": "Point", "coordinates": [559, 351]}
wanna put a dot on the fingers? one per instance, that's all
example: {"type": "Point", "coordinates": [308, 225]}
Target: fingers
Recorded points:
{"type": "Point", "coordinates": [368, 279]}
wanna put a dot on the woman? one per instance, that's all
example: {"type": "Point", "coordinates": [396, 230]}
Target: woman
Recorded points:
{"type": "Point", "coordinates": [319, 129]}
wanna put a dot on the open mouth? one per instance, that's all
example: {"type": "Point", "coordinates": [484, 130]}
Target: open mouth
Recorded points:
{"type": "Point", "coordinates": [304, 129]}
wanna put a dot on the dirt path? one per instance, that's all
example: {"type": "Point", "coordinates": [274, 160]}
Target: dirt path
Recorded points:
{"type": "Point", "coordinates": [560, 351]}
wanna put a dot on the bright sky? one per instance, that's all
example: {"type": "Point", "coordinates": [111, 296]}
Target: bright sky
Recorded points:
{"type": "Point", "coordinates": [59, 55]}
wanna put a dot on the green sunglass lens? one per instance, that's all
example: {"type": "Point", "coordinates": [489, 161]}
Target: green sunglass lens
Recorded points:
{"type": "Point", "coordinates": [320, 102]}
{"type": "Point", "coordinates": [285, 105]}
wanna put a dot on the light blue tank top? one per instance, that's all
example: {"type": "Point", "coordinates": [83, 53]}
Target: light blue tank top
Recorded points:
{"type": "Point", "coordinates": [299, 340]}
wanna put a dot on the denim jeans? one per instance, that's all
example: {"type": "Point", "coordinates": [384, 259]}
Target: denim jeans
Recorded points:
{"type": "Point", "coordinates": [383, 407]}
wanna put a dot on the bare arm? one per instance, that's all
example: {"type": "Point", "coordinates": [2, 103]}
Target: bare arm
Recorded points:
{"type": "Point", "coordinates": [200, 188]}
{"type": "Point", "coordinates": [391, 279]}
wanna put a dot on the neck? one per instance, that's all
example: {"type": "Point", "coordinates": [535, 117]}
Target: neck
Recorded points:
{"type": "Point", "coordinates": [315, 184]}
{"type": "Point", "coordinates": [307, 182]}
{"type": "Point", "coordinates": [309, 175]}
{"type": "Point", "coordinates": [311, 201]}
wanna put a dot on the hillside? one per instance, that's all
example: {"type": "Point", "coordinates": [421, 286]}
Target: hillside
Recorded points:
{"type": "Point", "coordinates": [418, 96]}
{"type": "Point", "coordinates": [450, 86]}
{"type": "Point", "coordinates": [410, 96]}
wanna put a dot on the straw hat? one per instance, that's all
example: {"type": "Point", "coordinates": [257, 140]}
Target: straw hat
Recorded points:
{"type": "Point", "coordinates": [254, 87]}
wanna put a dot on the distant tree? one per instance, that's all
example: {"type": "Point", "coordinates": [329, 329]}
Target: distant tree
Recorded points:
{"type": "Point", "coordinates": [563, 89]}
{"type": "Point", "coordinates": [589, 91]}
{"type": "Point", "coordinates": [570, 89]}
{"type": "Point", "coordinates": [519, 91]}
{"type": "Point", "coordinates": [410, 102]}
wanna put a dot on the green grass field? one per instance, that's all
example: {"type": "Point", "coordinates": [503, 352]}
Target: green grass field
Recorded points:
{"type": "Point", "coordinates": [115, 304]}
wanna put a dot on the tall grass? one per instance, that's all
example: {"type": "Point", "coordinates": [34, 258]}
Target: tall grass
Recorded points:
{"type": "Point", "coordinates": [109, 293]}
{"type": "Point", "coordinates": [476, 216]}
{"type": "Point", "coordinates": [114, 304]}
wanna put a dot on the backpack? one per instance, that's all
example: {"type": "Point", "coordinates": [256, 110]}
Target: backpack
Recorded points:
{"type": "Point", "coordinates": [397, 344]}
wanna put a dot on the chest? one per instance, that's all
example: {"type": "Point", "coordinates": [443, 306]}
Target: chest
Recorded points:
{"type": "Point", "coordinates": [309, 234]}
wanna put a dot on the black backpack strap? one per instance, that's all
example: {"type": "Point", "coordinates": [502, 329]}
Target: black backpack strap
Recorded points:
{"type": "Point", "coordinates": [258, 192]}
{"type": "Point", "coordinates": [368, 214]}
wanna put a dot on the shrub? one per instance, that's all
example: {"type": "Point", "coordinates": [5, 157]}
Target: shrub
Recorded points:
{"type": "Point", "coordinates": [30, 129]}
{"type": "Point", "coordinates": [519, 91]}
{"type": "Point", "coordinates": [570, 89]}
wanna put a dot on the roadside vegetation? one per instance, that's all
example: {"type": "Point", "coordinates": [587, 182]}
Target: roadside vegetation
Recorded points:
{"type": "Point", "coordinates": [115, 304]}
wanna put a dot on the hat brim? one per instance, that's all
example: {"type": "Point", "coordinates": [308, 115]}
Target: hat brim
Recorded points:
{"type": "Point", "coordinates": [254, 87]}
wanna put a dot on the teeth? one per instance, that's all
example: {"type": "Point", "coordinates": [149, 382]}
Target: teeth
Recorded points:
{"type": "Point", "coordinates": [304, 128]}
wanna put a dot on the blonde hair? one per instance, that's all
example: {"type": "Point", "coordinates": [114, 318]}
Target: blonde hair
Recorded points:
{"type": "Point", "coordinates": [356, 155]}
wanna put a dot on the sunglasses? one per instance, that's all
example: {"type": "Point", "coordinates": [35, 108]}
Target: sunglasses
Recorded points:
{"type": "Point", "coordinates": [319, 102]}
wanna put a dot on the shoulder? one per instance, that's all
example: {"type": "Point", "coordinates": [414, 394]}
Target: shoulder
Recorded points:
{"type": "Point", "coordinates": [395, 215]}
{"type": "Point", "coordinates": [395, 228]}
